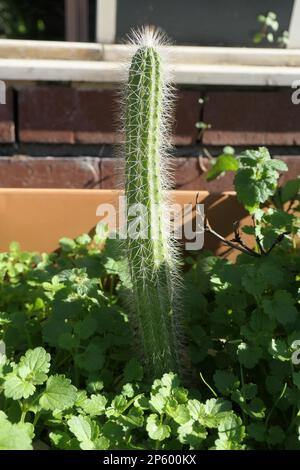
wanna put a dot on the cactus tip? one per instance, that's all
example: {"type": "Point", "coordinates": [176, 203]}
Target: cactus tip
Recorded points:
{"type": "Point", "coordinates": [148, 36]}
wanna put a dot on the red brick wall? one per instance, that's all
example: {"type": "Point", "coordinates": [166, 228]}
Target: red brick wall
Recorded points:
{"type": "Point", "coordinates": [251, 118]}
{"type": "Point", "coordinates": [76, 117]}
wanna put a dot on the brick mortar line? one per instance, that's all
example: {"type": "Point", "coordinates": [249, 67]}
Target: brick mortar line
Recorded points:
{"type": "Point", "coordinates": [109, 151]}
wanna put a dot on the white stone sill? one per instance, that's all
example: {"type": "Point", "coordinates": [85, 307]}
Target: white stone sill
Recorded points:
{"type": "Point", "coordinates": [100, 63]}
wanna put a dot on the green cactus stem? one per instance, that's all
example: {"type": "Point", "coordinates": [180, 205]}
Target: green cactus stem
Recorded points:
{"type": "Point", "coordinates": [152, 258]}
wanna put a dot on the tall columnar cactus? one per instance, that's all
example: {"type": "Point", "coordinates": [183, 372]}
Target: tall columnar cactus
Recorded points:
{"type": "Point", "coordinates": [152, 257]}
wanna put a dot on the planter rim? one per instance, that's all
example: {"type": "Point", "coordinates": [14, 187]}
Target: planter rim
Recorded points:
{"type": "Point", "coordinates": [70, 191]}
{"type": "Point", "coordinates": [38, 218]}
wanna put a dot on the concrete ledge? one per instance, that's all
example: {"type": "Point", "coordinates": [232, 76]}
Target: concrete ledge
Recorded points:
{"type": "Point", "coordinates": [60, 70]}
{"type": "Point", "coordinates": [112, 72]}
{"type": "Point", "coordinates": [213, 55]}
{"type": "Point", "coordinates": [98, 63]}
{"type": "Point", "coordinates": [251, 75]}
{"type": "Point", "coordinates": [57, 50]}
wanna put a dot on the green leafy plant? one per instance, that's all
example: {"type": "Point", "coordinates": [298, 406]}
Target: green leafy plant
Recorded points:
{"type": "Point", "coordinates": [274, 208]}
{"type": "Point", "coordinates": [226, 161]}
{"type": "Point", "coordinates": [268, 32]}
{"type": "Point", "coordinates": [27, 19]}
{"type": "Point", "coordinates": [256, 177]}
{"type": "Point", "coordinates": [245, 337]}
{"type": "Point", "coordinates": [247, 340]}
{"type": "Point", "coordinates": [260, 171]}
{"type": "Point", "coordinates": [151, 255]}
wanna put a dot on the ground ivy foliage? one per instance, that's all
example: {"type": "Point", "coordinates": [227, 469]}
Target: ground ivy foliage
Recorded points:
{"type": "Point", "coordinates": [70, 378]}
{"type": "Point", "coordinates": [242, 321]}
{"type": "Point", "coordinates": [84, 388]}
{"type": "Point", "coordinates": [77, 420]}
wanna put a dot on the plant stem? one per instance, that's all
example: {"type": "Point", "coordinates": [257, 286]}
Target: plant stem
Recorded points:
{"type": "Point", "coordinates": [247, 251]}
{"type": "Point", "coordinates": [276, 403]}
{"type": "Point", "coordinates": [23, 412]}
{"type": "Point", "coordinates": [36, 418]}
{"type": "Point", "coordinates": [210, 388]}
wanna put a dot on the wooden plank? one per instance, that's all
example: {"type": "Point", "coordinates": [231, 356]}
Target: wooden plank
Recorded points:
{"type": "Point", "coordinates": [83, 18]}
{"type": "Point", "coordinates": [71, 27]}
{"type": "Point", "coordinates": [76, 20]}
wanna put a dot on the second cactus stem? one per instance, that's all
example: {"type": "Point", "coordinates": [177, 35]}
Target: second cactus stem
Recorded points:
{"type": "Point", "coordinates": [151, 256]}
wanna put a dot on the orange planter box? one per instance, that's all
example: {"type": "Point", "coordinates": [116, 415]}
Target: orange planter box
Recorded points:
{"type": "Point", "coordinates": [38, 218]}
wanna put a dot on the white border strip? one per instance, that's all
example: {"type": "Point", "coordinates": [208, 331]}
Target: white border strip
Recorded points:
{"type": "Point", "coordinates": [294, 30]}
{"type": "Point", "coordinates": [106, 18]}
